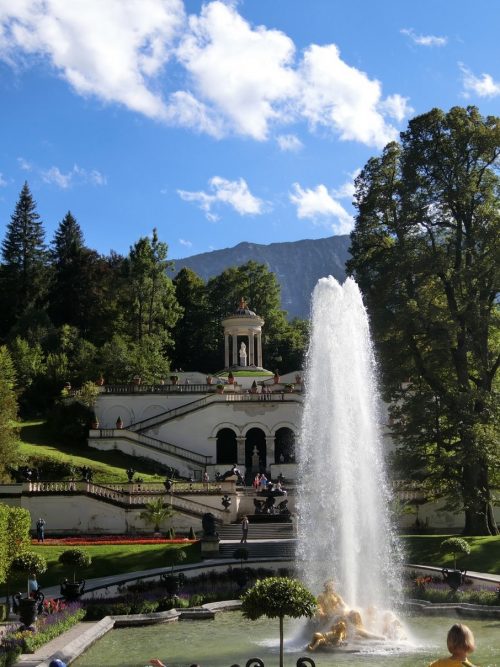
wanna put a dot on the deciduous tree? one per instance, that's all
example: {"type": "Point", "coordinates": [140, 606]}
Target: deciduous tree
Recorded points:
{"type": "Point", "coordinates": [426, 253]}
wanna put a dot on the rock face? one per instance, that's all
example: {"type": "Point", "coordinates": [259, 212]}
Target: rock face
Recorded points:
{"type": "Point", "coordinates": [298, 265]}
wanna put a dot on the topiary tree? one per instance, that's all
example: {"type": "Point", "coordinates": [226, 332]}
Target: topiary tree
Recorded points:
{"type": "Point", "coordinates": [175, 557]}
{"type": "Point", "coordinates": [29, 563]}
{"type": "Point", "coordinates": [75, 559]}
{"type": "Point", "coordinates": [277, 597]}
{"type": "Point", "coordinates": [455, 546]}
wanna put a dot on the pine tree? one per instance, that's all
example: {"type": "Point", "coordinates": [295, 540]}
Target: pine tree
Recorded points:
{"type": "Point", "coordinates": [24, 272]}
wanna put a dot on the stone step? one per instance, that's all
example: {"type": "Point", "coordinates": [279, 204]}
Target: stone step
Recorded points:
{"type": "Point", "coordinates": [284, 549]}
{"type": "Point", "coordinates": [257, 531]}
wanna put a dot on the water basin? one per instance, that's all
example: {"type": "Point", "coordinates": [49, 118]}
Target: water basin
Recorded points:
{"type": "Point", "coordinates": [232, 639]}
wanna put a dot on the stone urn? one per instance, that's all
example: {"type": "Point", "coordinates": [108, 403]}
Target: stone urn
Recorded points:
{"type": "Point", "coordinates": [454, 578]}
{"type": "Point", "coordinates": [72, 590]}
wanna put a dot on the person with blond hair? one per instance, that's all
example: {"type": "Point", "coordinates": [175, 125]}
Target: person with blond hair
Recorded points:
{"type": "Point", "coordinates": [461, 643]}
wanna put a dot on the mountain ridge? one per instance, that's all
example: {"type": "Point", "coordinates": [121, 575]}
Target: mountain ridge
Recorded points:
{"type": "Point", "coordinates": [298, 265]}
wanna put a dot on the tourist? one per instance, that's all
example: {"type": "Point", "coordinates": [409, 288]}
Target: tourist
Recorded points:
{"type": "Point", "coordinates": [263, 482]}
{"type": "Point", "coordinates": [460, 642]}
{"type": "Point", "coordinates": [40, 530]}
{"type": "Point", "coordinates": [57, 663]}
{"type": "Point", "coordinates": [244, 530]}
{"type": "Point", "coordinates": [256, 481]}
{"type": "Point", "coordinates": [33, 585]}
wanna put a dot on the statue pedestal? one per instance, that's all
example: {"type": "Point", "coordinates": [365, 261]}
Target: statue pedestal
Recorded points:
{"type": "Point", "coordinates": [210, 547]}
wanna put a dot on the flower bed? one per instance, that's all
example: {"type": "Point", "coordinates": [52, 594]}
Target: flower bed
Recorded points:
{"type": "Point", "coordinates": [434, 589]}
{"type": "Point", "coordinates": [81, 540]}
{"type": "Point", "coordinates": [57, 618]}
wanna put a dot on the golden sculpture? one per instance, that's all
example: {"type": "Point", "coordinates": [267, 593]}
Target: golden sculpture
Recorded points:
{"type": "Point", "coordinates": [335, 637]}
{"type": "Point", "coordinates": [359, 630]}
{"type": "Point", "coordinates": [330, 603]}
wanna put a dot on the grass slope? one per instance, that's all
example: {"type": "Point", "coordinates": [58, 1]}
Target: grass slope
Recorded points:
{"type": "Point", "coordinates": [424, 550]}
{"type": "Point", "coordinates": [107, 560]}
{"type": "Point", "coordinates": [36, 441]}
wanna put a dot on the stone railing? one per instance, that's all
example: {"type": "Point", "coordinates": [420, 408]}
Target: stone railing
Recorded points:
{"type": "Point", "coordinates": [158, 388]}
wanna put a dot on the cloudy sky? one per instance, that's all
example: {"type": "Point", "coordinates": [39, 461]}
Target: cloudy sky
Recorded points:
{"type": "Point", "coordinates": [223, 121]}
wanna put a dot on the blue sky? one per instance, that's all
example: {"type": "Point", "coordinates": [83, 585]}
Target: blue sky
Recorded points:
{"type": "Point", "coordinates": [222, 122]}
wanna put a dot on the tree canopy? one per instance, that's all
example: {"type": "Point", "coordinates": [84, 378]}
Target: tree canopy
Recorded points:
{"type": "Point", "coordinates": [425, 252]}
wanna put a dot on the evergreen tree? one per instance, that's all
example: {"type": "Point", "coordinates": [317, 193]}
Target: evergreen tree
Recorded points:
{"type": "Point", "coordinates": [24, 272]}
{"type": "Point", "coordinates": [152, 307]}
{"type": "Point", "coordinates": [190, 330]}
{"type": "Point", "coordinates": [426, 253]}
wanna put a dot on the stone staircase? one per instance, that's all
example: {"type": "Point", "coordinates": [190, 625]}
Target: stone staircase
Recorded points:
{"type": "Point", "coordinates": [265, 540]}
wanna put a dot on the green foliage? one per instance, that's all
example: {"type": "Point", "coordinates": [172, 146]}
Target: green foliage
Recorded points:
{"type": "Point", "coordinates": [18, 532]}
{"type": "Point", "coordinates": [425, 252]}
{"type": "Point", "coordinates": [69, 422]}
{"type": "Point", "coordinates": [454, 546]}
{"type": "Point", "coordinates": [75, 559]}
{"type": "Point", "coordinates": [278, 597]}
{"type": "Point", "coordinates": [28, 563]}
{"type": "Point", "coordinates": [4, 527]}
{"type": "Point", "coordinates": [156, 512]}
{"type": "Point", "coordinates": [88, 394]}
{"type": "Point", "coordinates": [9, 452]}
{"type": "Point", "coordinates": [241, 554]}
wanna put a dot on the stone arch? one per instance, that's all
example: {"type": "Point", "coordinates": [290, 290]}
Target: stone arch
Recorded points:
{"type": "Point", "coordinates": [151, 411]}
{"type": "Point", "coordinates": [222, 425]}
{"type": "Point", "coordinates": [255, 449]}
{"type": "Point", "coordinates": [259, 425]}
{"type": "Point", "coordinates": [284, 445]}
{"type": "Point", "coordinates": [226, 449]}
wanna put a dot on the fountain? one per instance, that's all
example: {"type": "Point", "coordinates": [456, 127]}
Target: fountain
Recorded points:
{"type": "Point", "coordinates": [344, 530]}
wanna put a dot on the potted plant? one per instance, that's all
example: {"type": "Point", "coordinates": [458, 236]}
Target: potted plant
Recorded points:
{"type": "Point", "coordinates": [230, 378]}
{"type": "Point", "coordinates": [276, 377]}
{"type": "Point", "coordinates": [220, 388]}
{"type": "Point", "coordinates": [74, 559]}
{"type": "Point", "coordinates": [156, 512]}
{"type": "Point", "coordinates": [454, 546]}
{"type": "Point", "coordinates": [289, 388]}
{"type": "Point", "coordinates": [173, 582]}
{"type": "Point", "coordinates": [28, 563]}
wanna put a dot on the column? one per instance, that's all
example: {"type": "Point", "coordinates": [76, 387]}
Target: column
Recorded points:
{"type": "Point", "coordinates": [240, 444]}
{"type": "Point", "coordinates": [235, 350]}
{"type": "Point", "coordinates": [259, 349]}
{"type": "Point", "coordinates": [269, 450]}
{"type": "Point", "coordinates": [251, 346]}
{"type": "Point", "coordinates": [226, 350]}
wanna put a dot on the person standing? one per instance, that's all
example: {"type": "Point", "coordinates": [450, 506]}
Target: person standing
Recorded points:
{"type": "Point", "coordinates": [460, 642]}
{"type": "Point", "coordinates": [40, 530]}
{"type": "Point", "coordinates": [244, 530]}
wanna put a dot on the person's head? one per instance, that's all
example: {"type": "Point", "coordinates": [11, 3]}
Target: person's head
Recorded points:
{"type": "Point", "coordinates": [460, 638]}
{"type": "Point", "coordinates": [57, 663]}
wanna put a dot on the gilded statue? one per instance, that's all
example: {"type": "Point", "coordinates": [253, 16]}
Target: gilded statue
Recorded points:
{"type": "Point", "coordinates": [330, 603]}
{"type": "Point", "coordinates": [336, 636]}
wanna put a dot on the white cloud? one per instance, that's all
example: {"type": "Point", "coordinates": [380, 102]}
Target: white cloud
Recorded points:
{"type": "Point", "coordinates": [424, 40]}
{"type": "Point", "coordinates": [185, 243]}
{"type": "Point", "coordinates": [232, 193]}
{"type": "Point", "coordinates": [24, 164]}
{"type": "Point", "coordinates": [484, 86]}
{"type": "Point", "coordinates": [340, 97]}
{"type": "Point", "coordinates": [289, 142]}
{"type": "Point", "coordinates": [346, 191]}
{"type": "Point", "coordinates": [231, 78]}
{"type": "Point", "coordinates": [320, 205]}
{"type": "Point", "coordinates": [245, 73]}
{"type": "Point", "coordinates": [75, 176]}
{"type": "Point", "coordinates": [109, 49]}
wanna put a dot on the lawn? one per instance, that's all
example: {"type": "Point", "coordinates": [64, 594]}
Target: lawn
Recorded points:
{"type": "Point", "coordinates": [107, 560]}
{"type": "Point", "coordinates": [424, 550]}
{"type": "Point", "coordinates": [35, 441]}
